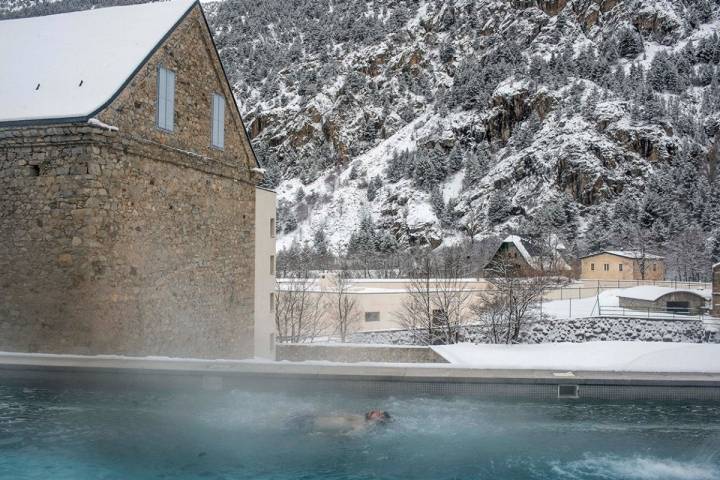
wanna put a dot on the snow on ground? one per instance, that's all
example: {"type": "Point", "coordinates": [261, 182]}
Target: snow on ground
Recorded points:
{"type": "Point", "coordinates": [590, 356]}
{"type": "Point", "coordinates": [580, 308]}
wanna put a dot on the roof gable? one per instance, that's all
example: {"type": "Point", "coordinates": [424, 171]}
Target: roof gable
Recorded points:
{"type": "Point", "coordinates": [633, 255]}
{"type": "Point", "coordinates": [69, 66]}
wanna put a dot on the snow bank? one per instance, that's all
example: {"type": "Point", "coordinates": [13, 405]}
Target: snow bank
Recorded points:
{"type": "Point", "coordinates": [591, 356]}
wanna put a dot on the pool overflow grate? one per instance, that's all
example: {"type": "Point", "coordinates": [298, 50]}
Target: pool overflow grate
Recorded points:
{"type": "Point", "coordinates": [568, 391]}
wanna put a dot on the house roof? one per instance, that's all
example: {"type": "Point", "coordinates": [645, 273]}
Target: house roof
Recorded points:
{"type": "Point", "coordinates": [531, 251]}
{"type": "Point", "coordinates": [652, 293]}
{"type": "Point", "coordinates": [626, 254]}
{"type": "Point", "coordinates": [67, 67]}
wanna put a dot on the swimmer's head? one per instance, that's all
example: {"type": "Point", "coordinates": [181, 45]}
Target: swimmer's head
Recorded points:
{"type": "Point", "coordinates": [378, 417]}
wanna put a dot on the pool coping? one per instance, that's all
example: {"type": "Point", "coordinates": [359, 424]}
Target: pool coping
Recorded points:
{"type": "Point", "coordinates": [440, 373]}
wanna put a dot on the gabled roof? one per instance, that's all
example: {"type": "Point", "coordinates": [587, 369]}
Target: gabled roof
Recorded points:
{"type": "Point", "coordinates": [67, 67]}
{"type": "Point", "coordinates": [626, 254]}
{"type": "Point", "coordinates": [652, 293]}
{"type": "Point", "coordinates": [532, 252]}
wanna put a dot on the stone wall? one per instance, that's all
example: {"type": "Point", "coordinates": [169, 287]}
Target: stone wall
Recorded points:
{"type": "Point", "coordinates": [136, 241]}
{"type": "Point", "coordinates": [297, 352]}
{"type": "Point", "coordinates": [112, 245]}
{"type": "Point", "coordinates": [576, 330]}
{"type": "Point", "coordinates": [189, 52]}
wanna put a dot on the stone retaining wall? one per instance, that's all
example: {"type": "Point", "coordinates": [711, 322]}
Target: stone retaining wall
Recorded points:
{"type": "Point", "coordinates": [576, 330]}
{"type": "Point", "coordinates": [296, 352]}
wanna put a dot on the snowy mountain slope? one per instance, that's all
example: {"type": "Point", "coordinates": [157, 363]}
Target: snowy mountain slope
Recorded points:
{"type": "Point", "coordinates": [416, 119]}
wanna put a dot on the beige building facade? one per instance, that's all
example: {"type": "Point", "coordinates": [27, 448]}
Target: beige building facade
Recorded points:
{"type": "Point", "coordinates": [265, 296]}
{"type": "Point", "coordinates": [620, 265]}
{"type": "Point", "coordinates": [126, 229]}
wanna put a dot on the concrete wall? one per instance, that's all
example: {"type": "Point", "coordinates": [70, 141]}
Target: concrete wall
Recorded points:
{"type": "Point", "coordinates": [354, 353]}
{"type": "Point", "coordinates": [654, 269]}
{"type": "Point", "coordinates": [136, 241]}
{"type": "Point", "coordinates": [264, 279]}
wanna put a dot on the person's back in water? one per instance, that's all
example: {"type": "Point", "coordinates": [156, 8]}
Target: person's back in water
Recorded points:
{"type": "Point", "coordinates": [339, 424]}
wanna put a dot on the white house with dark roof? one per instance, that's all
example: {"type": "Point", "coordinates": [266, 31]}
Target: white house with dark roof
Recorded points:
{"type": "Point", "coordinates": [127, 188]}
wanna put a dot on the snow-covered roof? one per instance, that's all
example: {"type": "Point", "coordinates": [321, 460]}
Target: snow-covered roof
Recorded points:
{"type": "Point", "coordinates": [70, 65]}
{"type": "Point", "coordinates": [652, 293]}
{"type": "Point", "coordinates": [627, 254]}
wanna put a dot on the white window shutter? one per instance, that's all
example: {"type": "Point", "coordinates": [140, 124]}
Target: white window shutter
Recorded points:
{"type": "Point", "coordinates": [170, 102]}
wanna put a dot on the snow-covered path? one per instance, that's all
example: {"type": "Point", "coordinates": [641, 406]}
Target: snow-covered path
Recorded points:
{"type": "Point", "coordinates": [590, 356]}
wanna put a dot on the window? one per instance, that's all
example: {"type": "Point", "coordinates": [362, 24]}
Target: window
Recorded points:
{"type": "Point", "coordinates": [654, 267]}
{"type": "Point", "coordinates": [272, 228]}
{"type": "Point", "coordinates": [272, 302]}
{"type": "Point", "coordinates": [218, 121]}
{"type": "Point", "coordinates": [166, 99]}
{"type": "Point", "coordinates": [606, 267]}
{"type": "Point", "coordinates": [621, 266]}
{"type": "Point", "coordinates": [272, 264]}
{"type": "Point", "coordinates": [592, 267]}
{"type": "Point", "coordinates": [439, 317]}
{"type": "Point", "coordinates": [372, 316]}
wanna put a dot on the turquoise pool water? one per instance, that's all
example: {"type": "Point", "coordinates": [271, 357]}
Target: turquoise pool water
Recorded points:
{"type": "Point", "coordinates": [84, 434]}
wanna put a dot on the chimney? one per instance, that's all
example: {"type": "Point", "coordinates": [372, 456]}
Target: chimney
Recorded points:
{"type": "Point", "coordinates": [716, 290]}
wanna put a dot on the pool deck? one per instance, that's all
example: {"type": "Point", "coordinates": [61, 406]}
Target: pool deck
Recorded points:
{"type": "Point", "coordinates": [21, 362]}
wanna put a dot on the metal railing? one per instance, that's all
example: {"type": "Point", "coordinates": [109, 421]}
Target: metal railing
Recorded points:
{"type": "Point", "coordinates": [650, 313]}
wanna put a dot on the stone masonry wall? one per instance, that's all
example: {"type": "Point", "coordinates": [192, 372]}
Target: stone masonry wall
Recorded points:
{"type": "Point", "coordinates": [576, 330]}
{"type": "Point", "coordinates": [135, 241]}
{"type": "Point", "coordinates": [189, 52]}
{"type": "Point", "coordinates": [111, 245]}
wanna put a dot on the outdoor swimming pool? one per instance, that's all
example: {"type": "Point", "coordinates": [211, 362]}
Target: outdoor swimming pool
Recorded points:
{"type": "Point", "coordinates": [94, 434]}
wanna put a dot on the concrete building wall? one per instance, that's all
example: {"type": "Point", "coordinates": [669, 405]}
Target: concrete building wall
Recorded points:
{"type": "Point", "coordinates": [264, 279]}
{"type": "Point", "coordinates": [606, 266]}
{"type": "Point", "coordinates": [136, 241]}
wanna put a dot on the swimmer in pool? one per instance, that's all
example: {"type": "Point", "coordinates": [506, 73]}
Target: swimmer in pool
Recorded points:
{"type": "Point", "coordinates": [340, 424]}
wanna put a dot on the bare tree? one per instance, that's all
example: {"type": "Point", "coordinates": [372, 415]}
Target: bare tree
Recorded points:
{"type": "Point", "coordinates": [438, 299]}
{"type": "Point", "coordinates": [506, 306]}
{"type": "Point", "coordinates": [342, 306]}
{"type": "Point", "coordinates": [299, 313]}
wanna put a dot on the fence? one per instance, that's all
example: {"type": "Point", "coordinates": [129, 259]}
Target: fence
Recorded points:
{"type": "Point", "coordinates": [591, 288]}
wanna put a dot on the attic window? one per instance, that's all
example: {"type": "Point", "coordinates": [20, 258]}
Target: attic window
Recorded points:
{"type": "Point", "coordinates": [166, 99]}
{"type": "Point", "coordinates": [218, 121]}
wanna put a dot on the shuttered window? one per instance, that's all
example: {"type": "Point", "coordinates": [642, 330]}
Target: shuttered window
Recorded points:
{"type": "Point", "coordinates": [218, 121]}
{"type": "Point", "coordinates": [166, 99]}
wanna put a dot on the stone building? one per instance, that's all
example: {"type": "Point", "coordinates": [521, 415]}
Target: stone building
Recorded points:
{"type": "Point", "coordinates": [716, 290]}
{"type": "Point", "coordinates": [127, 187]}
{"type": "Point", "coordinates": [620, 265]}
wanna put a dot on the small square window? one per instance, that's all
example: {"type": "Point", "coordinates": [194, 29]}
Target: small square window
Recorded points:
{"type": "Point", "coordinates": [372, 316]}
{"type": "Point", "coordinates": [606, 267]}
{"type": "Point", "coordinates": [621, 267]}
{"type": "Point", "coordinates": [592, 267]}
